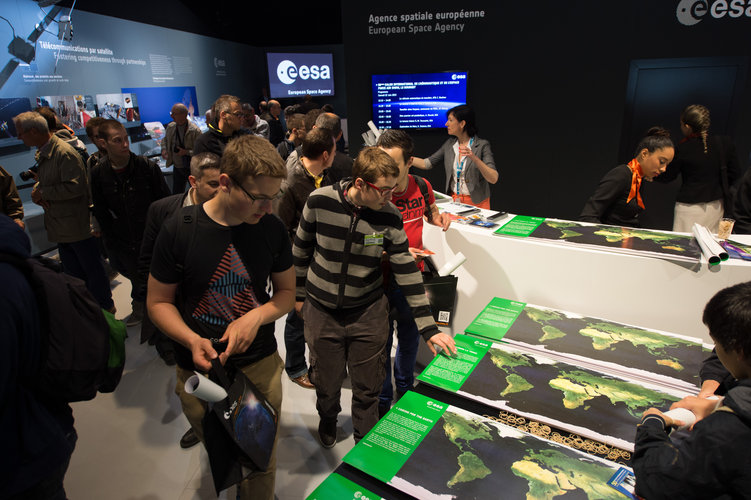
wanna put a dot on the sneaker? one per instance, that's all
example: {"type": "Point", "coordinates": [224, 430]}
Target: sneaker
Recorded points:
{"type": "Point", "coordinates": [303, 381]}
{"type": "Point", "coordinates": [136, 317]}
{"type": "Point", "coordinates": [189, 439]}
{"type": "Point", "coordinates": [327, 433]}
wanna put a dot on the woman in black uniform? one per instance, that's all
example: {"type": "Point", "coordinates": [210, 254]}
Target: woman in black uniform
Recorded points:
{"type": "Point", "coordinates": [617, 200]}
{"type": "Point", "coordinates": [699, 159]}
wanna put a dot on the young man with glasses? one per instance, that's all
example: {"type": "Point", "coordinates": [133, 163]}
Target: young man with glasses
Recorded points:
{"type": "Point", "coordinates": [221, 256]}
{"type": "Point", "coordinates": [343, 234]}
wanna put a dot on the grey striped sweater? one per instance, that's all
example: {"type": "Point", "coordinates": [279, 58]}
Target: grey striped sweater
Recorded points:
{"type": "Point", "coordinates": [338, 270]}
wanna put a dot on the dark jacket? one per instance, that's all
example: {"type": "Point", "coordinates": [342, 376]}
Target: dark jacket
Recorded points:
{"type": "Point", "coordinates": [299, 186]}
{"type": "Point", "coordinates": [33, 440]}
{"type": "Point", "coordinates": [213, 141]}
{"type": "Point", "coordinates": [158, 213]}
{"type": "Point", "coordinates": [340, 169]}
{"type": "Point", "coordinates": [699, 171]}
{"type": "Point", "coordinates": [713, 369]}
{"type": "Point", "coordinates": [122, 200]}
{"type": "Point", "coordinates": [742, 206]}
{"type": "Point", "coordinates": [10, 202]}
{"type": "Point", "coordinates": [608, 203]}
{"type": "Point", "coordinates": [712, 462]}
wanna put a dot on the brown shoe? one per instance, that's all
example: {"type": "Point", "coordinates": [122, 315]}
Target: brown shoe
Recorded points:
{"type": "Point", "coordinates": [303, 381]}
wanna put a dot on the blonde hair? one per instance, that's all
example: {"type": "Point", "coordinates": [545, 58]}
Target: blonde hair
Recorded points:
{"type": "Point", "coordinates": [373, 163]}
{"type": "Point", "coordinates": [251, 156]}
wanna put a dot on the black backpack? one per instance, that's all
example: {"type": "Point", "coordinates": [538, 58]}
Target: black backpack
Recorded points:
{"type": "Point", "coordinates": [83, 346]}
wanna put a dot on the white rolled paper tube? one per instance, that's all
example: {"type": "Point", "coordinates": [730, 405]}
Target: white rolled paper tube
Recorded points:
{"type": "Point", "coordinates": [684, 415]}
{"type": "Point", "coordinates": [203, 388]}
{"type": "Point", "coordinates": [452, 265]}
{"type": "Point", "coordinates": [375, 130]}
{"type": "Point", "coordinates": [712, 258]}
{"type": "Point", "coordinates": [714, 247]}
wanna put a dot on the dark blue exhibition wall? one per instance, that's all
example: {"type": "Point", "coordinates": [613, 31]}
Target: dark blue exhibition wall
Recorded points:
{"type": "Point", "coordinates": [562, 90]}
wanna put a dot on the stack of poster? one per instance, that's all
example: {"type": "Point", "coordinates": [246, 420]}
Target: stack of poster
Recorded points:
{"type": "Point", "coordinates": [597, 405]}
{"type": "Point", "coordinates": [628, 240]}
{"type": "Point", "coordinates": [651, 355]}
{"type": "Point", "coordinates": [429, 449]}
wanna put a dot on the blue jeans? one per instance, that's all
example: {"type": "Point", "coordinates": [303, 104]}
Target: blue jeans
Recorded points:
{"type": "Point", "coordinates": [294, 342]}
{"type": "Point", "coordinates": [406, 350]}
{"type": "Point", "coordinates": [83, 260]}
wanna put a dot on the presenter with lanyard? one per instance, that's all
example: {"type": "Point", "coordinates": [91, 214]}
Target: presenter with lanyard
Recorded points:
{"type": "Point", "coordinates": [468, 160]}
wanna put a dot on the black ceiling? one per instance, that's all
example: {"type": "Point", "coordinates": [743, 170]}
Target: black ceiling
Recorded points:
{"type": "Point", "coordinates": [261, 24]}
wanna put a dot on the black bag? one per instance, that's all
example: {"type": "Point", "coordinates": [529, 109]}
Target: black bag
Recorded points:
{"type": "Point", "coordinates": [240, 430]}
{"type": "Point", "coordinates": [441, 292]}
{"type": "Point", "coordinates": [83, 346]}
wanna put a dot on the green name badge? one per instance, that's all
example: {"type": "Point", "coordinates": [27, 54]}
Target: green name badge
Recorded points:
{"type": "Point", "coordinates": [374, 239]}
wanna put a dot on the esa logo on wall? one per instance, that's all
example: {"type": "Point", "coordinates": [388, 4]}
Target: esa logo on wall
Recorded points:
{"type": "Point", "coordinates": [299, 74]}
{"type": "Point", "coordinates": [691, 12]}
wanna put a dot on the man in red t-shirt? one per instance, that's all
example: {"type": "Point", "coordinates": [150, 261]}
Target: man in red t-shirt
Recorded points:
{"type": "Point", "coordinates": [410, 198]}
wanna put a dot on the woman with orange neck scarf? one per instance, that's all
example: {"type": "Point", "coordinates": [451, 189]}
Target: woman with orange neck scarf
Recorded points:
{"type": "Point", "coordinates": [617, 199]}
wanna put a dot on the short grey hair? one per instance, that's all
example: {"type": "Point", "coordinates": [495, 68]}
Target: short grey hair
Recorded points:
{"type": "Point", "coordinates": [31, 120]}
{"type": "Point", "coordinates": [202, 161]}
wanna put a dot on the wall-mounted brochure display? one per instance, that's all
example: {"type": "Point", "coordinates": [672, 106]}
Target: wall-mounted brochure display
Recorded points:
{"type": "Point", "coordinates": [628, 240]}
{"type": "Point", "coordinates": [429, 449]}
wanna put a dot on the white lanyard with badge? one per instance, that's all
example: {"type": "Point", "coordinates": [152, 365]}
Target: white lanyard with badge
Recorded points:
{"type": "Point", "coordinates": [460, 161]}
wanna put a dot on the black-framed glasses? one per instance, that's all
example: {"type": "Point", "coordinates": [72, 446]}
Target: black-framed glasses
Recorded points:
{"type": "Point", "coordinates": [255, 198]}
{"type": "Point", "coordinates": [383, 191]}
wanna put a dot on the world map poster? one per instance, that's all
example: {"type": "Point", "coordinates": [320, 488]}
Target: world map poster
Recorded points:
{"type": "Point", "coordinates": [621, 239]}
{"type": "Point", "coordinates": [596, 405]}
{"type": "Point", "coordinates": [615, 347]}
{"type": "Point", "coordinates": [432, 450]}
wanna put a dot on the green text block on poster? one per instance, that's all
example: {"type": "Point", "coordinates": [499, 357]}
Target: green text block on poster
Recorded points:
{"type": "Point", "coordinates": [450, 373]}
{"type": "Point", "coordinates": [385, 449]}
{"type": "Point", "coordinates": [341, 488]}
{"type": "Point", "coordinates": [496, 319]}
{"type": "Point", "coordinates": [520, 225]}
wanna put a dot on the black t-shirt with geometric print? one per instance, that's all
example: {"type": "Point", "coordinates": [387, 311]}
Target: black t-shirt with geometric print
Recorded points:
{"type": "Point", "coordinates": [223, 272]}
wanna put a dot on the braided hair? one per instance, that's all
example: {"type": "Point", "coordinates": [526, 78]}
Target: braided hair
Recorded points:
{"type": "Point", "coordinates": [696, 116]}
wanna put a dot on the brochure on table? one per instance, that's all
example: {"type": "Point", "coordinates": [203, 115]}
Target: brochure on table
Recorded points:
{"type": "Point", "coordinates": [628, 240]}
{"type": "Point", "coordinates": [593, 404]}
{"type": "Point", "coordinates": [429, 449]}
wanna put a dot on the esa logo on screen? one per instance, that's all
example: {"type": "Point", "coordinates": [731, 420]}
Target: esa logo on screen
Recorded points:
{"type": "Point", "coordinates": [691, 12]}
{"type": "Point", "coordinates": [288, 72]}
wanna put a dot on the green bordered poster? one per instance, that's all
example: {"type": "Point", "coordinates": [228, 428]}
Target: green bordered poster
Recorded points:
{"type": "Point", "coordinates": [496, 319]}
{"type": "Point", "coordinates": [385, 449]}
{"type": "Point", "coordinates": [449, 373]}
{"type": "Point", "coordinates": [431, 450]}
{"type": "Point", "coordinates": [341, 488]}
{"type": "Point", "coordinates": [520, 225]}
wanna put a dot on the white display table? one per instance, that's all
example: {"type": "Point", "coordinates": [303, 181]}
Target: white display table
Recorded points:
{"type": "Point", "coordinates": [644, 291]}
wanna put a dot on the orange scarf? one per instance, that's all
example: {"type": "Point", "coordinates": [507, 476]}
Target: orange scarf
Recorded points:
{"type": "Point", "coordinates": [636, 177]}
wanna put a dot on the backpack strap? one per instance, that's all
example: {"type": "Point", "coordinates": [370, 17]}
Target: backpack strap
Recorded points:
{"type": "Point", "coordinates": [186, 222]}
{"type": "Point", "coordinates": [424, 190]}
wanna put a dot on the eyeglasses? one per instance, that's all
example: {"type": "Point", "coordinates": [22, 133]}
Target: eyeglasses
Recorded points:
{"type": "Point", "coordinates": [383, 191]}
{"type": "Point", "coordinates": [255, 198]}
